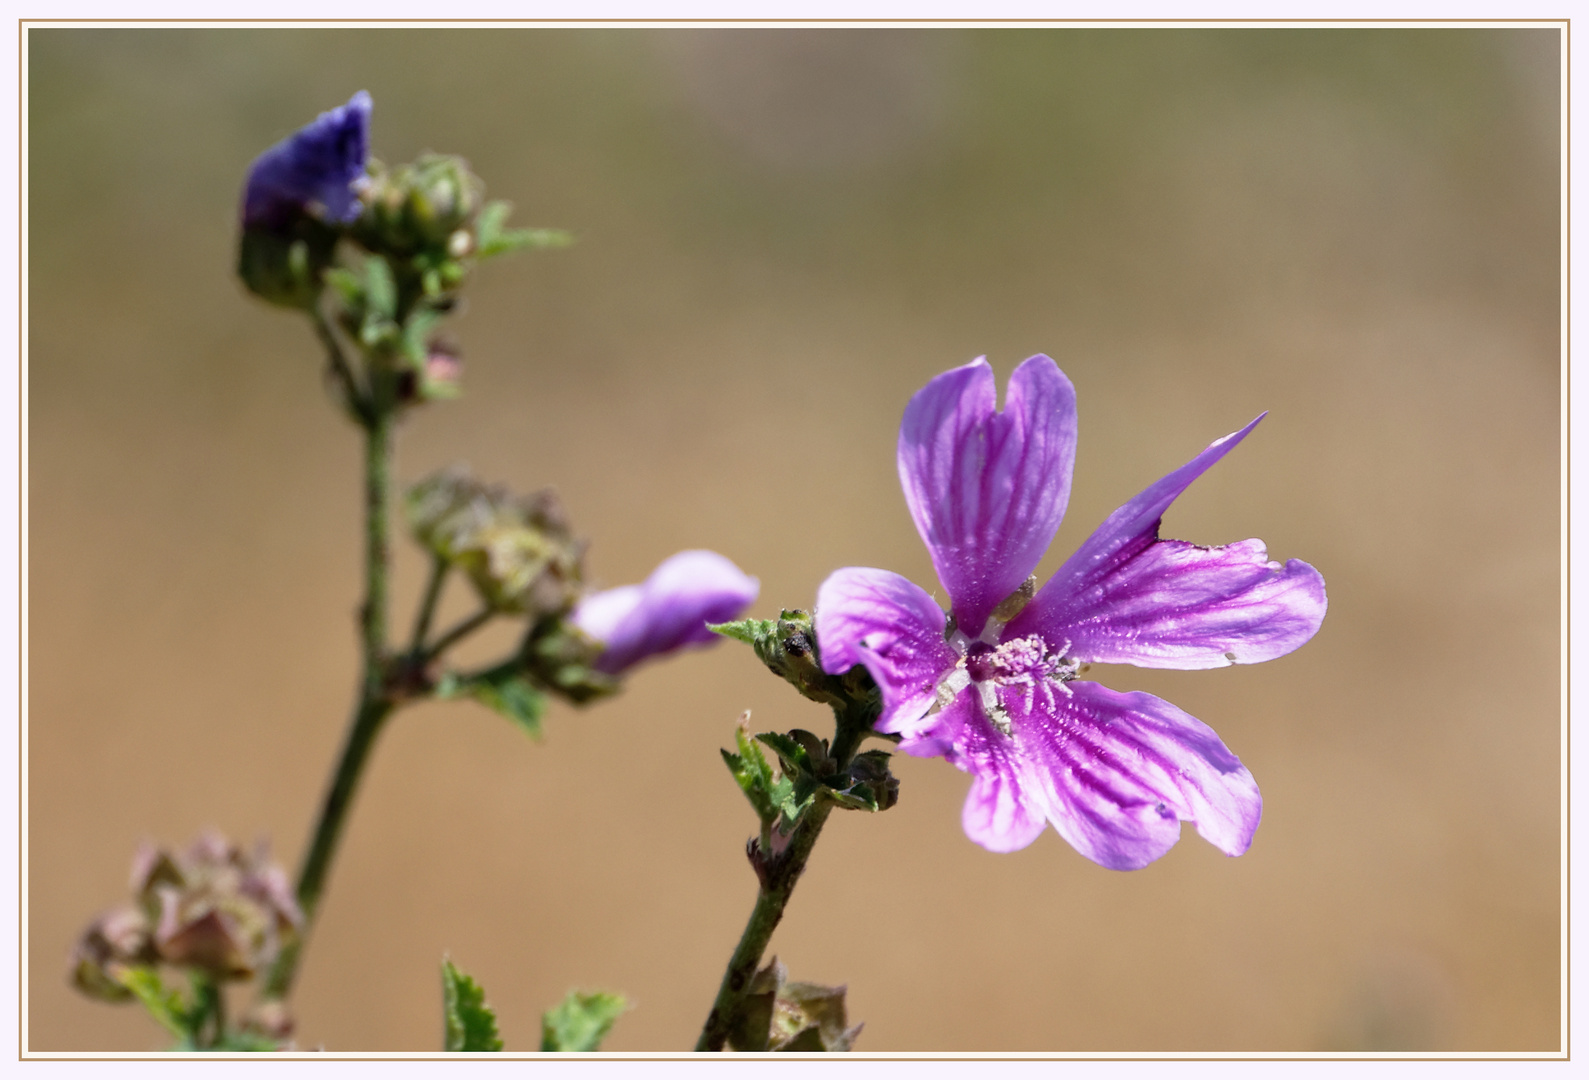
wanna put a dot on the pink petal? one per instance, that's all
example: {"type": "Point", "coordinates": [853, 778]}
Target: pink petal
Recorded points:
{"type": "Point", "coordinates": [988, 489]}
{"type": "Point", "coordinates": [1117, 774]}
{"type": "Point", "coordinates": [1128, 597]}
{"type": "Point", "coordinates": [668, 611]}
{"type": "Point", "coordinates": [1000, 812]}
{"type": "Point", "coordinates": [1177, 605]}
{"type": "Point", "coordinates": [881, 620]}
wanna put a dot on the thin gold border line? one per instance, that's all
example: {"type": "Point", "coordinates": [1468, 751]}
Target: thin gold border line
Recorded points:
{"type": "Point", "coordinates": [774, 22]}
{"type": "Point", "coordinates": [1566, 539]}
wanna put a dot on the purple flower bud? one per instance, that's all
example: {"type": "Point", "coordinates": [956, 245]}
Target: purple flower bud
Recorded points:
{"type": "Point", "coordinates": [669, 611]}
{"type": "Point", "coordinates": [312, 171]}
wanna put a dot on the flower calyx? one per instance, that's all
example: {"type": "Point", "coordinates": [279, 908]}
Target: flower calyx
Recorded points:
{"type": "Point", "coordinates": [806, 773]}
{"type": "Point", "coordinates": [788, 646]}
{"type": "Point", "coordinates": [519, 552]}
{"type": "Point", "coordinates": [790, 1017]}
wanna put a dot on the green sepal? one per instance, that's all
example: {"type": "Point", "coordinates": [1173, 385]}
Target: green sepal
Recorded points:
{"type": "Point", "coordinates": [416, 334]}
{"type": "Point", "coordinates": [470, 1024]}
{"type": "Point", "coordinates": [345, 283]}
{"type": "Point", "coordinates": [581, 1021]}
{"type": "Point", "coordinates": [788, 646]}
{"type": "Point", "coordinates": [752, 772]}
{"type": "Point", "coordinates": [380, 288]}
{"type": "Point", "coordinates": [492, 239]}
{"type": "Point", "coordinates": [503, 691]}
{"type": "Point", "coordinates": [167, 1007]}
{"type": "Point", "coordinates": [794, 756]}
{"type": "Point", "coordinates": [868, 786]}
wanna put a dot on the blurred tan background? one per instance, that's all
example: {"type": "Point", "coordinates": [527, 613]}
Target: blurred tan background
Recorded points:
{"type": "Point", "coordinates": [782, 235]}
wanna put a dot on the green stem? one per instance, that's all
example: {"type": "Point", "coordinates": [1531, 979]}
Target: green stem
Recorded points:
{"type": "Point", "coordinates": [459, 632]}
{"type": "Point", "coordinates": [777, 886]}
{"type": "Point", "coordinates": [209, 1011]}
{"type": "Point", "coordinates": [374, 704]}
{"type": "Point", "coordinates": [358, 403]}
{"type": "Point", "coordinates": [778, 875]}
{"type": "Point", "coordinates": [427, 606]}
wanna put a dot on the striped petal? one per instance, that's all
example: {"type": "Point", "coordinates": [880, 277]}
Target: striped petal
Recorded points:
{"type": "Point", "coordinates": [987, 489]}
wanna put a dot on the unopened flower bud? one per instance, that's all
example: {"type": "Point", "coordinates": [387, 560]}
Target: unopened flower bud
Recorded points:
{"type": "Point", "coordinates": [117, 940]}
{"type": "Point", "coordinates": [298, 196]}
{"type": "Point", "coordinates": [314, 172]}
{"type": "Point", "coordinates": [212, 908]}
{"type": "Point", "coordinates": [421, 207]}
{"type": "Point", "coordinates": [436, 379]}
{"type": "Point", "coordinates": [668, 611]}
{"type": "Point", "coordinates": [520, 553]}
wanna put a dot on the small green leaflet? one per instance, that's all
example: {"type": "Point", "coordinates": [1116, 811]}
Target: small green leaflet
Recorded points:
{"type": "Point", "coordinates": [492, 239]}
{"type": "Point", "coordinates": [504, 692]}
{"type": "Point", "coordinates": [470, 1023]}
{"type": "Point", "coordinates": [165, 1006]}
{"type": "Point", "coordinates": [581, 1021]}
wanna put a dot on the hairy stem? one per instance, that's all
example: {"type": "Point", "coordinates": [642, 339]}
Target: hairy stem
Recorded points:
{"type": "Point", "coordinates": [374, 704]}
{"type": "Point", "coordinates": [776, 888]}
{"type": "Point", "coordinates": [778, 875]}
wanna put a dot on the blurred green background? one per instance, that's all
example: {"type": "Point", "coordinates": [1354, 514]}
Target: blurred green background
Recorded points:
{"type": "Point", "coordinates": [782, 234]}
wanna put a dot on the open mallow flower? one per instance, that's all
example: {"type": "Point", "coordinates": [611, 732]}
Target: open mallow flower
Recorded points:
{"type": "Point", "coordinates": [314, 171]}
{"type": "Point", "coordinates": [668, 611]}
{"type": "Point", "coordinates": [993, 687]}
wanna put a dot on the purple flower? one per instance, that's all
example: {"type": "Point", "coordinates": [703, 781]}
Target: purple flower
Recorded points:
{"type": "Point", "coordinates": [312, 170]}
{"type": "Point", "coordinates": [669, 611]}
{"type": "Point", "coordinates": [994, 689]}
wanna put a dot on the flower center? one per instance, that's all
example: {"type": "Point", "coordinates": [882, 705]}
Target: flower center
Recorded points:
{"type": "Point", "coordinates": [1022, 665]}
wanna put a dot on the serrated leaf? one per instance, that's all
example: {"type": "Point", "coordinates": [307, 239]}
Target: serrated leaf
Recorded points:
{"type": "Point", "coordinates": [470, 1024]}
{"type": "Point", "coordinates": [504, 692]}
{"type": "Point", "coordinates": [166, 1006]}
{"type": "Point", "coordinates": [789, 751]}
{"type": "Point", "coordinates": [581, 1021]}
{"type": "Point", "coordinates": [749, 631]}
{"type": "Point", "coordinates": [526, 239]}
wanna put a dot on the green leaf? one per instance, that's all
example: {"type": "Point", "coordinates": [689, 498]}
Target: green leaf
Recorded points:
{"type": "Point", "coordinates": [416, 334]}
{"type": "Point", "coordinates": [346, 283]}
{"type": "Point", "coordinates": [166, 1006]}
{"type": "Point", "coordinates": [752, 771]}
{"type": "Point", "coordinates": [380, 288]}
{"type": "Point", "coordinates": [505, 692]}
{"type": "Point", "coordinates": [492, 239]}
{"type": "Point", "coordinates": [750, 631]}
{"type": "Point", "coordinates": [581, 1021]}
{"type": "Point", "coordinates": [488, 225]}
{"type": "Point", "coordinates": [471, 1026]}
{"type": "Point", "coordinates": [790, 752]}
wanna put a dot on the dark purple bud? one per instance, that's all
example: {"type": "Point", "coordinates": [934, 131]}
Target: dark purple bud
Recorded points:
{"type": "Point", "coordinates": [312, 172]}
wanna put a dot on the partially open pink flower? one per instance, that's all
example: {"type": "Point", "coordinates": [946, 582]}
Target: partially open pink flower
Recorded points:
{"type": "Point", "coordinates": [668, 611]}
{"type": "Point", "coordinates": [993, 688]}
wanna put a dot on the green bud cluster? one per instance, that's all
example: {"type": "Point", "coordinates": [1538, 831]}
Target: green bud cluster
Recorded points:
{"type": "Point", "coordinates": [519, 552]}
